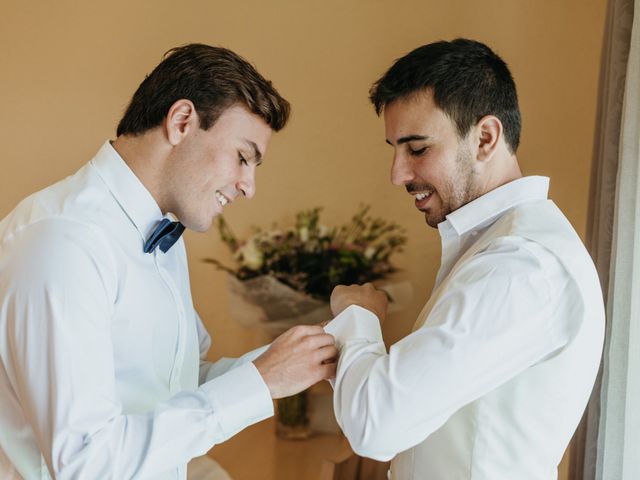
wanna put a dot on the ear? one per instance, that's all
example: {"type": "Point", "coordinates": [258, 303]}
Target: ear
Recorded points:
{"type": "Point", "coordinates": [489, 131]}
{"type": "Point", "coordinates": [180, 120]}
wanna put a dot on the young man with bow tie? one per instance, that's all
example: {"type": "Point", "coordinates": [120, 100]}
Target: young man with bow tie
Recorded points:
{"type": "Point", "coordinates": [103, 370]}
{"type": "Point", "coordinates": [493, 379]}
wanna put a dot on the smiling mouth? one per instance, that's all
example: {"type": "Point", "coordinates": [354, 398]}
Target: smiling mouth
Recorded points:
{"type": "Point", "coordinates": [422, 198]}
{"type": "Point", "coordinates": [222, 199]}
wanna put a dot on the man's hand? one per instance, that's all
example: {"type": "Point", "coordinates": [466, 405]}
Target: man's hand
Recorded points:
{"type": "Point", "coordinates": [367, 296]}
{"type": "Point", "coordinates": [297, 359]}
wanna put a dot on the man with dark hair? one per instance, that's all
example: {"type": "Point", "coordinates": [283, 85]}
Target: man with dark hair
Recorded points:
{"type": "Point", "coordinates": [493, 379]}
{"type": "Point", "coordinates": [103, 370]}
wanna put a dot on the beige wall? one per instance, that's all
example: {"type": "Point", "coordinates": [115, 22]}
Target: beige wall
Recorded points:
{"type": "Point", "coordinates": [67, 70]}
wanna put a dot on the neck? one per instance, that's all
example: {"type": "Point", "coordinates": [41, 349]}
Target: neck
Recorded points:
{"type": "Point", "coordinates": [146, 158]}
{"type": "Point", "coordinates": [504, 169]}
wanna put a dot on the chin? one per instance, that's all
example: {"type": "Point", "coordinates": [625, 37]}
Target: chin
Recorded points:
{"type": "Point", "coordinates": [203, 227]}
{"type": "Point", "coordinates": [430, 219]}
{"type": "Point", "coordinates": [431, 222]}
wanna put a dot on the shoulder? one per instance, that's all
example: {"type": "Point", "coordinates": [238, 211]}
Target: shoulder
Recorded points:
{"type": "Point", "coordinates": [58, 254]}
{"type": "Point", "coordinates": [78, 196]}
{"type": "Point", "coordinates": [64, 214]}
{"type": "Point", "coordinates": [543, 229]}
{"type": "Point", "coordinates": [540, 221]}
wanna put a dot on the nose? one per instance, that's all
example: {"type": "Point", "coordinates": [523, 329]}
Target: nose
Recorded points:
{"type": "Point", "coordinates": [247, 183]}
{"type": "Point", "coordinates": [400, 171]}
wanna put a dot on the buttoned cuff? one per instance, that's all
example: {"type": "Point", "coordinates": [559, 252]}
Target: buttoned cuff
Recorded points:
{"type": "Point", "coordinates": [354, 323]}
{"type": "Point", "coordinates": [240, 398]}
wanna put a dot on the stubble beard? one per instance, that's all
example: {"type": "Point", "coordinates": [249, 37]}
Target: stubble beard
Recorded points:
{"type": "Point", "coordinates": [460, 189]}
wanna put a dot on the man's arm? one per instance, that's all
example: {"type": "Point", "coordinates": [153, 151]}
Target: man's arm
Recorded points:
{"type": "Point", "coordinates": [297, 359]}
{"type": "Point", "coordinates": [61, 293]}
{"type": "Point", "coordinates": [210, 370]}
{"type": "Point", "coordinates": [492, 322]}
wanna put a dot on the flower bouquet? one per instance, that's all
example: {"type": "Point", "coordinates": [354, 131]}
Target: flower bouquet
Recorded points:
{"type": "Point", "coordinates": [284, 277]}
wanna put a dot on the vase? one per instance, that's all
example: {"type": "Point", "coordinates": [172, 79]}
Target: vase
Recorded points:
{"type": "Point", "coordinates": [292, 417]}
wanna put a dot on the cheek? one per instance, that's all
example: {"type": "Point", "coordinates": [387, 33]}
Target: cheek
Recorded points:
{"type": "Point", "coordinates": [227, 177]}
{"type": "Point", "coordinates": [193, 185]}
{"type": "Point", "coordinates": [444, 169]}
{"type": "Point", "coordinates": [429, 169]}
{"type": "Point", "coordinates": [206, 186]}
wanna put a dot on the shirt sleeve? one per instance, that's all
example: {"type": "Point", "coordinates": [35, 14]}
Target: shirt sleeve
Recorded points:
{"type": "Point", "coordinates": [210, 370]}
{"type": "Point", "coordinates": [60, 294]}
{"type": "Point", "coordinates": [490, 321]}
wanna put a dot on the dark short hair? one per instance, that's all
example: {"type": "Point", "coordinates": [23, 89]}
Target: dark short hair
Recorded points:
{"type": "Point", "coordinates": [213, 78]}
{"type": "Point", "coordinates": [468, 81]}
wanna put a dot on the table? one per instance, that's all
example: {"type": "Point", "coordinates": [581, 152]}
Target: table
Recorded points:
{"type": "Point", "coordinates": [256, 453]}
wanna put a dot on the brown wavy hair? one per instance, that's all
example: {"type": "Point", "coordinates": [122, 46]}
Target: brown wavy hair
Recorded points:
{"type": "Point", "coordinates": [213, 78]}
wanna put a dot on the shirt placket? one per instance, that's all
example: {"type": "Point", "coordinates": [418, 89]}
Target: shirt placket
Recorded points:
{"type": "Point", "coordinates": [176, 369]}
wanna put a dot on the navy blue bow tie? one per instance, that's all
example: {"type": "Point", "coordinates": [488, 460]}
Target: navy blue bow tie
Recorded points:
{"type": "Point", "coordinates": [165, 235]}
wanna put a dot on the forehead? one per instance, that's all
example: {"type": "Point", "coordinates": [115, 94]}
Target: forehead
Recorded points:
{"type": "Point", "coordinates": [416, 114]}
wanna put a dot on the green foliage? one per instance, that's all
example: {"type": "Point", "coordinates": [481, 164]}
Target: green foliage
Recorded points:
{"type": "Point", "coordinates": [313, 258]}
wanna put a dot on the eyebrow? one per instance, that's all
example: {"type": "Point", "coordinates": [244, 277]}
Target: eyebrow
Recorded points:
{"type": "Point", "coordinates": [257, 155]}
{"type": "Point", "coordinates": [409, 138]}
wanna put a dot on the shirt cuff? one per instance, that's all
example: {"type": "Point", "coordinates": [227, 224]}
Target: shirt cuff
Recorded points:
{"type": "Point", "coordinates": [239, 398]}
{"type": "Point", "coordinates": [354, 323]}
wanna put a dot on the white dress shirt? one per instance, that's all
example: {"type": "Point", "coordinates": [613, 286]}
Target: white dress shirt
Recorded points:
{"type": "Point", "coordinates": [494, 378]}
{"type": "Point", "coordinates": [102, 355]}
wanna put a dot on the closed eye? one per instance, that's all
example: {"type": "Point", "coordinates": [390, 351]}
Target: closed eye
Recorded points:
{"type": "Point", "coordinates": [418, 152]}
{"type": "Point", "coordinates": [243, 161]}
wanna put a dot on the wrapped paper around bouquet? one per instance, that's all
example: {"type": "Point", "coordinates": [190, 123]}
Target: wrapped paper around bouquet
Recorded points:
{"type": "Point", "coordinates": [267, 303]}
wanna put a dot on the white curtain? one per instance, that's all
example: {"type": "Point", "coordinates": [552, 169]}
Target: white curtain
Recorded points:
{"type": "Point", "coordinates": [613, 428]}
{"type": "Point", "coordinates": [619, 427]}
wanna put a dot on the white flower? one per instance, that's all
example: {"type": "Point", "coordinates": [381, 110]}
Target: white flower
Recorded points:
{"type": "Point", "coordinates": [370, 252]}
{"type": "Point", "coordinates": [251, 255]}
{"type": "Point", "coordinates": [304, 234]}
{"type": "Point", "coordinates": [322, 230]}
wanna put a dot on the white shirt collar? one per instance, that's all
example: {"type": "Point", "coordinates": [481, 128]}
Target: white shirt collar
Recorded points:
{"type": "Point", "coordinates": [485, 209]}
{"type": "Point", "coordinates": [132, 196]}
